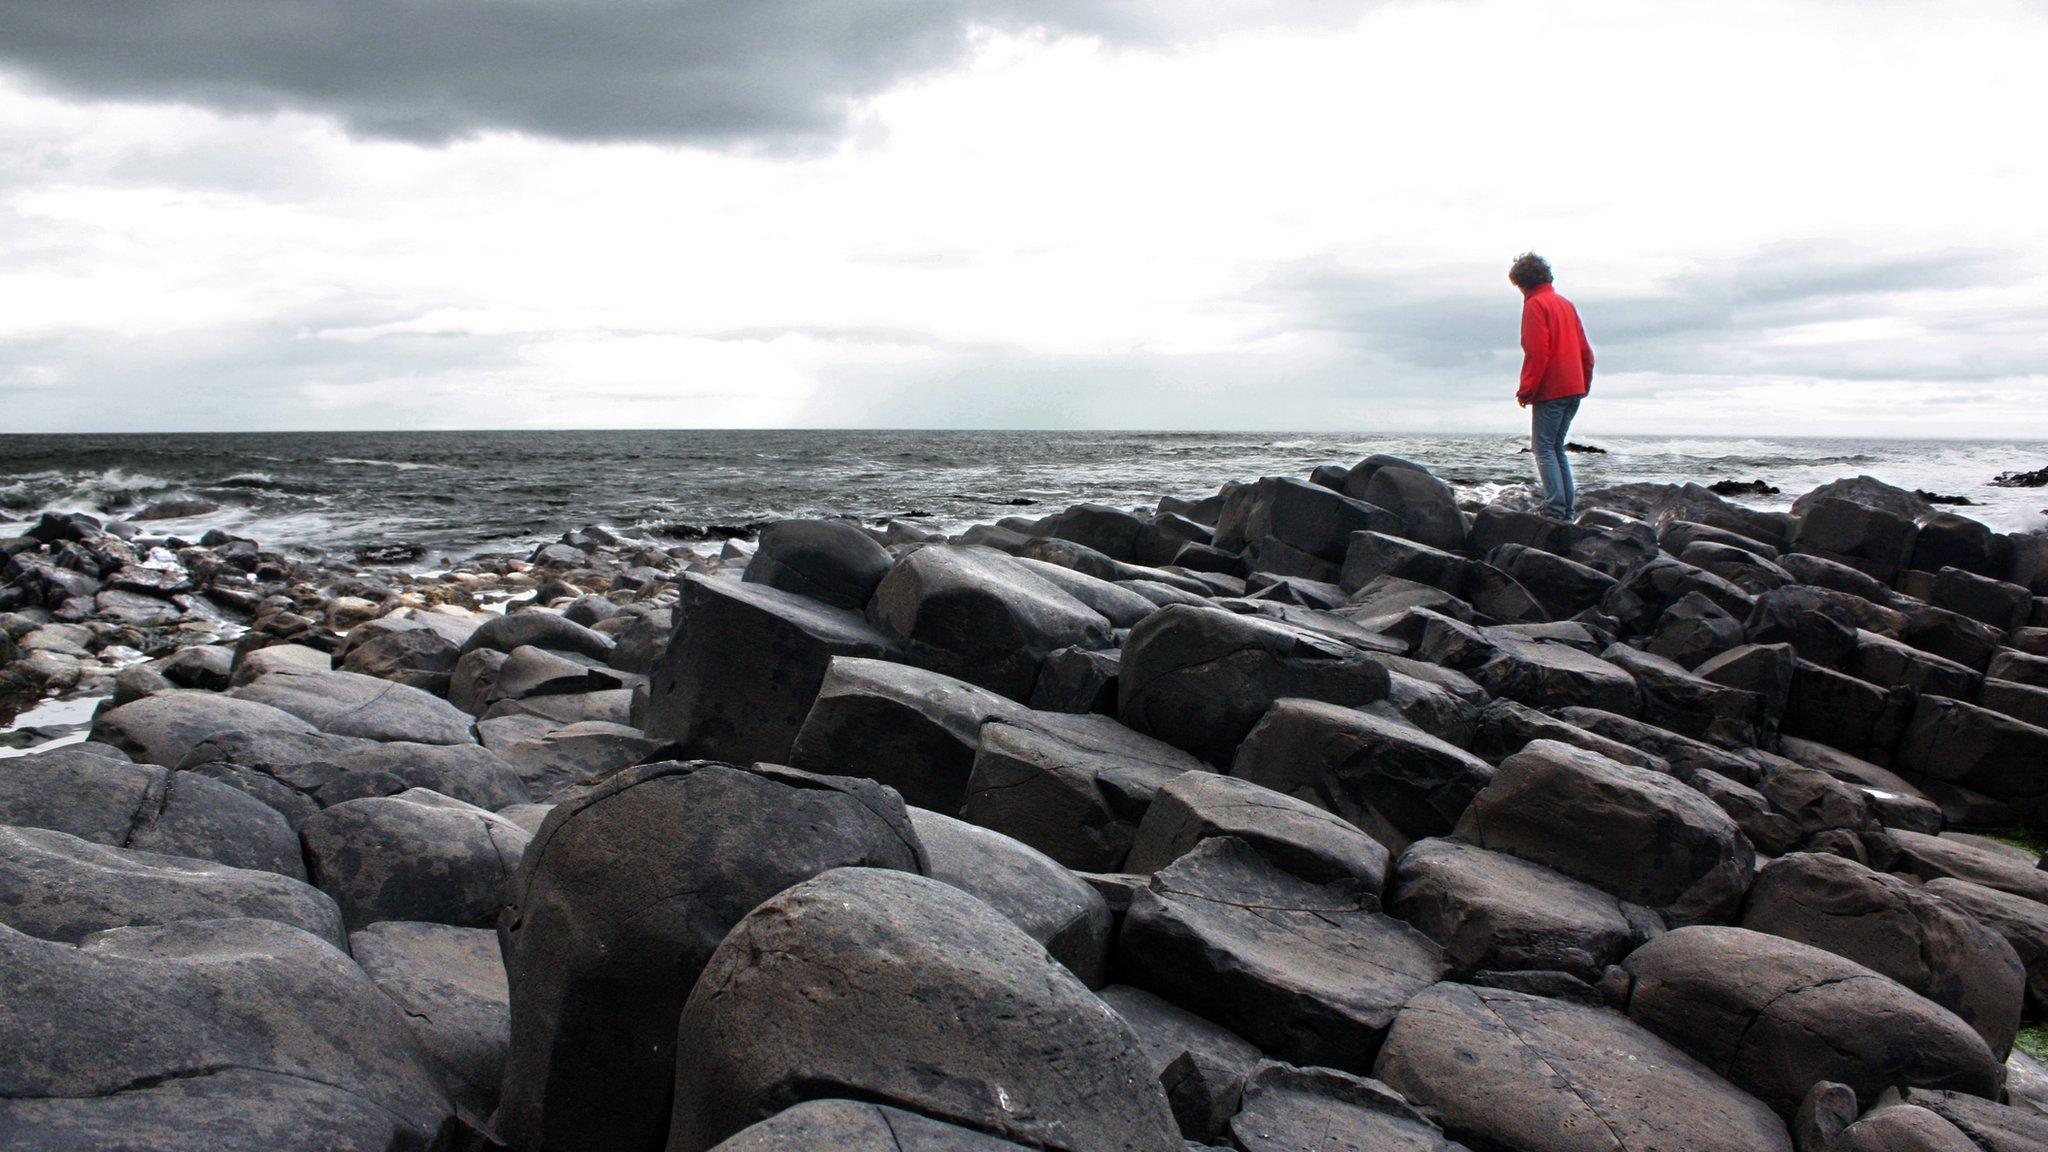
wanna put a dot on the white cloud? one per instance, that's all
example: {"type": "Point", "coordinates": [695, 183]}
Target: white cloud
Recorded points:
{"type": "Point", "coordinates": [1819, 214]}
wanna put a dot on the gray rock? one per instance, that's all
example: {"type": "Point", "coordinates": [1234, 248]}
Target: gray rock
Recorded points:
{"type": "Point", "coordinates": [450, 983]}
{"type": "Point", "coordinates": [1658, 843]}
{"type": "Point", "coordinates": [1992, 1127]}
{"type": "Point", "coordinates": [1201, 679]}
{"type": "Point", "coordinates": [228, 1035]}
{"type": "Point", "coordinates": [577, 754]}
{"type": "Point", "coordinates": [1311, 973]}
{"type": "Point", "coordinates": [903, 991]}
{"type": "Point", "coordinates": [58, 887]}
{"type": "Point", "coordinates": [830, 561]}
{"type": "Point", "coordinates": [1690, 705]}
{"type": "Point", "coordinates": [745, 665]}
{"type": "Point", "coordinates": [161, 729]}
{"type": "Point", "coordinates": [2022, 922]}
{"type": "Point", "coordinates": [980, 616]}
{"type": "Point", "coordinates": [1562, 587]}
{"type": "Point", "coordinates": [1373, 555]}
{"type": "Point", "coordinates": [1544, 675]}
{"type": "Point", "coordinates": [1377, 772]}
{"type": "Point", "coordinates": [298, 773]}
{"type": "Point", "coordinates": [1201, 1065]}
{"type": "Point", "coordinates": [620, 901]}
{"type": "Point", "coordinates": [542, 629]}
{"type": "Point", "coordinates": [1896, 929]}
{"type": "Point", "coordinates": [1985, 751]}
{"type": "Point", "coordinates": [531, 671]}
{"type": "Point", "coordinates": [1288, 1108]}
{"type": "Point", "coordinates": [1776, 1017]}
{"type": "Point", "coordinates": [113, 802]}
{"type": "Point", "coordinates": [348, 704]}
{"type": "Point", "coordinates": [1932, 857]}
{"type": "Point", "coordinates": [852, 1126]}
{"type": "Point", "coordinates": [1078, 805]}
{"type": "Point", "coordinates": [418, 855]}
{"type": "Point", "coordinates": [919, 731]}
{"type": "Point", "coordinates": [1495, 912]}
{"type": "Point", "coordinates": [1504, 1069]}
{"type": "Point", "coordinates": [1293, 835]}
{"type": "Point", "coordinates": [1030, 890]}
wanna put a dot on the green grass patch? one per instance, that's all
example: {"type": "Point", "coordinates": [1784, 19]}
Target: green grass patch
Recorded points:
{"type": "Point", "coordinates": [2033, 1041]}
{"type": "Point", "coordinates": [2021, 838]}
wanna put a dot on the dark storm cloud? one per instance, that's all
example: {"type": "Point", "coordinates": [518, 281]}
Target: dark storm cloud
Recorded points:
{"type": "Point", "coordinates": [1718, 319]}
{"type": "Point", "coordinates": [772, 72]}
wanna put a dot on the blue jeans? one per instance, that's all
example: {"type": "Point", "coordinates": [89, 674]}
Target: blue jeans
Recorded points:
{"type": "Point", "coordinates": [1550, 420]}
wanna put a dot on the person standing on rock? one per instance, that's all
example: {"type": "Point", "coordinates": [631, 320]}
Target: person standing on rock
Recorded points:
{"type": "Point", "coordinates": [1557, 372]}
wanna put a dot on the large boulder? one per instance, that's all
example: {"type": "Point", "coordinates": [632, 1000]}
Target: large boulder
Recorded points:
{"type": "Point", "coordinates": [541, 629]}
{"type": "Point", "coordinates": [1426, 507]}
{"type": "Point", "coordinates": [1895, 928]}
{"type": "Point", "coordinates": [616, 907]}
{"type": "Point", "coordinates": [227, 1035]}
{"type": "Point", "coordinates": [1373, 556]}
{"type": "Point", "coordinates": [1312, 973]}
{"type": "Point", "coordinates": [553, 762]}
{"type": "Point", "coordinates": [919, 731]}
{"type": "Point", "coordinates": [1777, 1017]}
{"type": "Point", "coordinates": [108, 800]}
{"type": "Point", "coordinates": [1634, 833]}
{"type": "Point", "coordinates": [349, 704]}
{"type": "Point", "coordinates": [1546, 675]}
{"type": "Point", "coordinates": [1376, 771]}
{"type": "Point", "coordinates": [903, 991]}
{"type": "Point", "coordinates": [1563, 587]}
{"type": "Point", "coordinates": [1992, 1127]}
{"type": "Point", "coordinates": [1287, 1109]}
{"type": "Point", "coordinates": [744, 665]}
{"type": "Point", "coordinates": [1957, 857]}
{"type": "Point", "coordinates": [1300, 517]}
{"type": "Point", "coordinates": [1293, 835]}
{"type": "Point", "coordinates": [161, 729]}
{"type": "Point", "coordinates": [450, 982]}
{"type": "Point", "coordinates": [1051, 904]}
{"type": "Point", "coordinates": [1200, 679]}
{"type": "Point", "coordinates": [529, 672]}
{"type": "Point", "coordinates": [1675, 699]}
{"type": "Point", "coordinates": [1985, 751]}
{"type": "Point", "coordinates": [1871, 539]}
{"type": "Point", "coordinates": [1495, 912]}
{"type": "Point", "coordinates": [1505, 1069]}
{"type": "Point", "coordinates": [830, 561]}
{"type": "Point", "coordinates": [1685, 757]}
{"type": "Point", "coordinates": [855, 1126]}
{"type": "Point", "coordinates": [418, 855]}
{"type": "Point", "coordinates": [1838, 710]}
{"type": "Point", "coordinates": [2022, 922]}
{"type": "Point", "coordinates": [420, 650]}
{"type": "Point", "coordinates": [978, 615]}
{"type": "Point", "coordinates": [1079, 805]}
{"type": "Point", "coordinates": [1201, 1065]}
{"type": "Point", "coordinates": [298, 773]}
{"type": "Point", "coordinates": [59, 887]}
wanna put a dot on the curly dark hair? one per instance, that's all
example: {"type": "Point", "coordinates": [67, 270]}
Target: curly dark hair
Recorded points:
{"type": "Point", "coordinates": [1529, 270]}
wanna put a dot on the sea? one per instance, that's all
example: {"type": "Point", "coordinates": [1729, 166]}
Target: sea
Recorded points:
{"type": "Point", "coordinates": [422, 498]}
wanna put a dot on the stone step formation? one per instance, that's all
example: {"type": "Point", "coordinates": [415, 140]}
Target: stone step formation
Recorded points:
{"type": "Point", "coordinates": [1318, 813]}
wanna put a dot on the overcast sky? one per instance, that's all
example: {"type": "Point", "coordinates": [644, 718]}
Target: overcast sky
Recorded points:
{"type": "Point", "coordinates": [1775, 217]}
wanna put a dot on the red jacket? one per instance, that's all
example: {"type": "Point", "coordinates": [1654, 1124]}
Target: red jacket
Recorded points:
{"type": "Point", "coordinates": [1557, 363]}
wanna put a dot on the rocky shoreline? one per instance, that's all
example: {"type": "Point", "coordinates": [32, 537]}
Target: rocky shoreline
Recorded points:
{"type": "Point", "coordinates": [1323, 812]}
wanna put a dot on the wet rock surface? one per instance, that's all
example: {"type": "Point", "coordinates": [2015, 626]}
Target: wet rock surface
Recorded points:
{"type": "Point", "coordinates": [1377, 820]}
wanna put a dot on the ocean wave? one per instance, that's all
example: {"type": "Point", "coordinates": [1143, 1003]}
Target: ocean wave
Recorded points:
{"type": "Point", "coordinates": [400, 465]}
